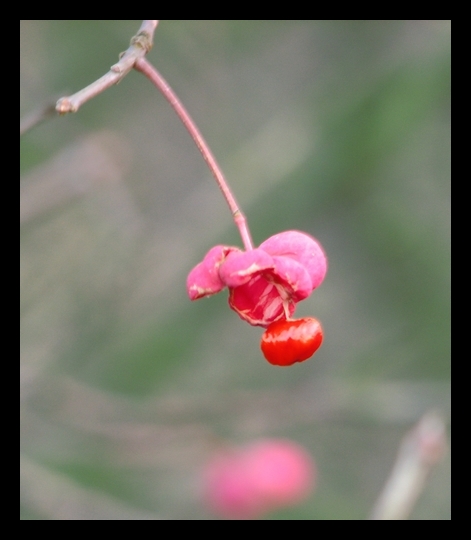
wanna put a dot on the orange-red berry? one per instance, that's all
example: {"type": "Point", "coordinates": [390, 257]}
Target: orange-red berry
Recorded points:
{"type": "Point", "coordinates": [287, 342]}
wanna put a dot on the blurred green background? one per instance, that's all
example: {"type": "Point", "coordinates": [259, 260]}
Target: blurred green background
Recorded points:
{"type": "Point", "coordinates": [337, 128]}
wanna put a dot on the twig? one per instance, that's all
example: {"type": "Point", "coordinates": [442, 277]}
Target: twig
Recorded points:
{"type": "Point", "coordinates": [420, 450]}
{"type": "Point", "coordinates": [154, 76]}
{"type": "Point", "coordinates": [141, 44]}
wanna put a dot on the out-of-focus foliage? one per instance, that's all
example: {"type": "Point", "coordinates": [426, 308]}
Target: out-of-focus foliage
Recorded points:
{"type": "Point", "coordinates": [337, 128]}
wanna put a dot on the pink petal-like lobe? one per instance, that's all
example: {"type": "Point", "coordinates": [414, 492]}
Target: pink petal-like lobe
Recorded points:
{"type": "Point", "coordinates": [302, 248]}
{"type": "Point", "coordinates": [204, 279]}
{"type": "Point", "coordinates": [241, 267]}
{"type": "Point", "coordinates": [294, 277]}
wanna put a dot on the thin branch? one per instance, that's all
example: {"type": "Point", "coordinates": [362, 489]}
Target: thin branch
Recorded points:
{"type": "Point", "coordinates": [422, 448]}
{"type": "Point", "coordinates": [161, 84]}
{"type": "Point", "coordinates": [141, 44]}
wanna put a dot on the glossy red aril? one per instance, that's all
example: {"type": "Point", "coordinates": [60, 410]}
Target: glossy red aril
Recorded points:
{"type": "Point", "coordinates": [286, 342]}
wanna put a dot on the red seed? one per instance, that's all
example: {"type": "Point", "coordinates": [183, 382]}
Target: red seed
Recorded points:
{"type": "Point", "coordinates": [287, 342]}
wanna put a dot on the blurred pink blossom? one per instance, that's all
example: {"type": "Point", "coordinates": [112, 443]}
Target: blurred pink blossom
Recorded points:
{"type": "Point", "coordinates": [264, 283]}
{"type": "Point", "coordinates": [247, 482]}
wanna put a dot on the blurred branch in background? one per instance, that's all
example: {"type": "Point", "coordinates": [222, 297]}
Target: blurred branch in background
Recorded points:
{"type": "Point", "coordinates": [421, 449]}
{"type": "Point", "coordinates": [37, 116]}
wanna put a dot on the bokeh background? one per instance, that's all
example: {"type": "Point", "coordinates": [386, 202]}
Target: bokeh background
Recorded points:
{"type": "Point", "coordinates": [337, 128]}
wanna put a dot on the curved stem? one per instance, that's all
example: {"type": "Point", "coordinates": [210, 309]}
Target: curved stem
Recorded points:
{"type": "Point", "coordinates": [154, 76]}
